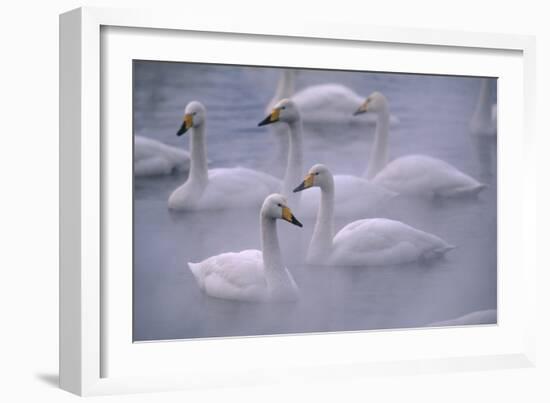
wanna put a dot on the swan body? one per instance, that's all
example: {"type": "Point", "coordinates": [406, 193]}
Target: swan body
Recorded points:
{"type": "Point", "coordinates": [415, 174]}
{"type": "Point", "coordinates": [227, 188]}
{"type": "Point", "coordinates": [421, 175]}
{"type": "Point", "coordinates": [252, 275]}
{"type": "Point", "coordinates": [152, 158]}
{"type": "Point", "coordinates": [236, 276]}
{"type": "Point", "coordinates": [484, 119]}
{"type": "Point", "coordinates": [354, 193]}
{"type": "Point", "coordinates": [325, 103]}
{"type": "Point", "coordinates": [220, 188]}
{"type": "Point", "coordinates": [380, 242]}
{"type": "Point", "coordinates": [488, 316]}
{"type": "Point", "coordinates": [367, 242]}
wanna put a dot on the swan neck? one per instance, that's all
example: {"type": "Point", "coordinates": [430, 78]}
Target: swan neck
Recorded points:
{"type": "Point", "coordinates": [270, 245]}
{"type": "Point", "coordinates": [483, 107]}
{"type": "Point", "coordinates": [321, 241]}
{"type": "Point", "coordinates": [285, 87]}
{"type": "Point", "coordinates": [279, 282]}
{"type": "Point", "coordinates": [294, 166]}
{"type": "Point", "coordinates": [379, 153]}
{"type": "Point", "coordinates": [199, 164]}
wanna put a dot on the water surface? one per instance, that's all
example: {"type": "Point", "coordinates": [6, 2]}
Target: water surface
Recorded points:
{"type": "Point", "coordinates": [434, 112]}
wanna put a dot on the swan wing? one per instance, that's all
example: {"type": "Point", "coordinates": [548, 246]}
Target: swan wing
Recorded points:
{"type": "Point", "coordinates": [382, 241]}
{"type": "Point", "coordinates": [335, 97]}
{"type": "Point", "coordinates": [235, 276]}
{"type": "Point", "coordinates": [426, 176]}
{"type": "Point", "coordinates": [237, 187]}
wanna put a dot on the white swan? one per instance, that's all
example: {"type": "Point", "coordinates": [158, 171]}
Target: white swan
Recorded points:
{"type": "Point", "coordinates": [252, 275]}
{"type": "Point", "coordinates": [285, 89]}
{"type": "Point", "coordinates": [319, 105]}
{"type": "Point", "coordinates": [367, 242]}
{"type": "Point", "coordinates": [488, 316]}
{"type": "Point", "coordinates": [286, 111]}
{"type": "Point", "coordinates": [220, 188]}
{"type": "Point", "coordinates": [354, 193]}
{"type": "Point", "coordinates": [484, 119]}
{"type": "Point", "coordinates": [152, 157]}
{"type": "Point", "coordinates": [412, 174]}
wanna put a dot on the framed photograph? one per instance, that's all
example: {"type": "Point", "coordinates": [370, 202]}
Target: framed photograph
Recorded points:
{"type": "Point", "coordinates": [237, 208]}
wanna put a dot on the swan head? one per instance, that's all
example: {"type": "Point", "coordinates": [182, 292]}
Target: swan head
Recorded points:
{"type": "Point", "coordinates": [375, 102]}
{"type": "Point", "coordinates": [284, 111]}
{"type": "Point", "coordinates": [318, 176]}
{"type": "Point", "coordinates": [195, 115]}
{"type": "Point", "coordinates": [276, 207]}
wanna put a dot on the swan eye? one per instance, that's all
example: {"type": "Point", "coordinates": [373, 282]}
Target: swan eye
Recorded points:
{"type": "Point", "coordinates": [317, 173]}
{"type": "Point", "coordinates": [279, 204]}
{"type": "Point", "coordinates": [283, 107]}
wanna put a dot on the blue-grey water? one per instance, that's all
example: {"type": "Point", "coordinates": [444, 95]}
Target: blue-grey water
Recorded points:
{"type": "Point", "coordinates": [434, 113]}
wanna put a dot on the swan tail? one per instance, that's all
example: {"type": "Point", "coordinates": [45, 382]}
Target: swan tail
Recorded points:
{"type": "Point", "coordinates": [437, 253]}
{"type": "Point", "coordinates": [197, 273]}
{"type": "Point", "coordinates": [467, 191]}
{"type": "Point", "coordinates": [475, 190]}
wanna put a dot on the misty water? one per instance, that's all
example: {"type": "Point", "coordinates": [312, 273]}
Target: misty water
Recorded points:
{"type": "Point", "coordinates": [434, 112]}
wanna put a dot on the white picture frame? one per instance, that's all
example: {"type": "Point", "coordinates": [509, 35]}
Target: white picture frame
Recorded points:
{"type": "Point", "coordinates": [96, 356]}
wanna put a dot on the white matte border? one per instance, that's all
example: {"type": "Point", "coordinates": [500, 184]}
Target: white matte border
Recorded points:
{"type": "Point", "coordinates": [121, 45]}
{"type": "Point", "coordinates": [485, 347]}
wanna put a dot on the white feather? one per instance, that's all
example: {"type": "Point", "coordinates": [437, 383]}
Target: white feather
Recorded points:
{"type": "Point", "coordinates": [414, 174]}
{"type": "Point", "coordinates": [220, 188]}
{"type": "Point", "coordinates": [380, 242]}
{"type": "Point", "coordinates": [250, 275]}
{"type": "Point", "coordinates": [353, 195]}
{"type": "Point", "coordinates": [367, 242]}
{"type": "Point", "coordinates": [426, 176]}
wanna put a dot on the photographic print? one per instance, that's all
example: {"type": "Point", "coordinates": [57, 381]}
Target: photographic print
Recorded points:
{"type": "Point", "coordinates": [273, 200]}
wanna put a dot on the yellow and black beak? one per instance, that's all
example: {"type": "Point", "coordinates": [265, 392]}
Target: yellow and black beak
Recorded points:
{"type": "Point", "coordinates": [186, 125]}
{"type": "Point", "coordinates": [271, 118]}
{"type": "Point", "coordinates": [362, 109]}
{"type": "Point", "coordinates": [307, 183]}
{"type": "Point", "coordinates": [288, 216]}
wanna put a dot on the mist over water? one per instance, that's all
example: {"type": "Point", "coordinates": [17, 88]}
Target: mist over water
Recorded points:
{"type": "Point", "coordinates": [434, 113]}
